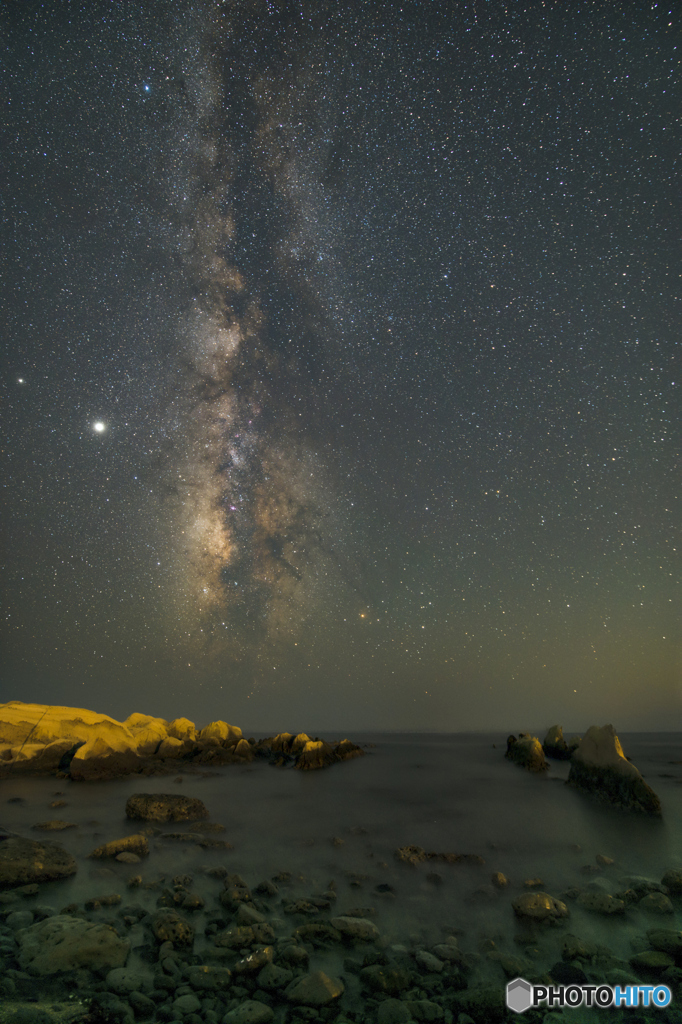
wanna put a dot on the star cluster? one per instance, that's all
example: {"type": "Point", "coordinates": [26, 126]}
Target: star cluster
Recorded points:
{"type": "Point", "coordinates": [342, 374]}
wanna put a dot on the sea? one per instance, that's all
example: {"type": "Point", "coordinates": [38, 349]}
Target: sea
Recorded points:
{"type": "Point", "coordinates": [342, 826]}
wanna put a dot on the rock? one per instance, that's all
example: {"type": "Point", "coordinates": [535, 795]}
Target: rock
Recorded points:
{"type": "Point", "coordinates": [64, 943]}
{"type": "Point", "coordinates": [393, 1011]}
{"type": "Point", "coordinates": [173, 747]}
{"type": "Point", "coordinates": [19, 919]}
{"type": "Point", "coordinates": [247, 915]}
{"type": "Point", "coordinates": [226, 735]}
{"type": "Point", "coordinates": [499, 880]}
{"type": "Point", "coordinates": [124, 980]}
{"type": "Point", "coordinates": [186, 1004]}
{"type": "Point", "coordinates": [385, 979]}
{"type": "Point", "coordinates": [604, 862]}
{"type": "Point", "coordinates": [104, 757]}
{"type": "Point", "coordinates": [652, 961]}
{"type": "Point", "coordinates": [254, 961]}
{"type": "Point", "coordinates": [527, 752]}
{"type": "Point", "coordinates": [412, 855]}
{"type": "Point", "coordinates": [182, 729]}
{"type": "Point", "coordinates": [484, 1003]}
{"type": "Point", "coordinates": [316, 989]}
{"type": "Point", "coordinates": [554, 745]}
{"type": "Point", "coordinates": [106, 1007]}
{"type": "Point", "coordinates": [315, 754]}
{"type": "Point", "coordinates": [56, 825]}
{"type": "Point", "coordinates": [425, 1010]}
{"type": "Point", "coordinates": [656, 903]}
{"type": "Point", "coordinates": [273, 977]}
{"type": "Point", "coordinates": [667, 940]}
{"type": "Point", "coordinates": [209, 979]}
{"type": "Point", "coordinates": [672, 880]}
{"type": "Point", "coordinates": [24, 861]}
{"type": "Point", "coordinates": [147, 731]}
{"type": "Point", "coordinates": [168, 926]}
{"type": "Point", "coordinates": [357, 928]}
{"type": "Point", "coordinates": [165, 807]}
{"type": "Point", "coordinates": [345, 750]}
{"type": "Point", "coordinates": [574, 948]}
{"type": "Point", "coordinates": [249, 1012]}
{"type": "Point", "coordinates": [136, 844]}
{"type": "Point", "coordinates": [601, 903]}
{"type": "Point", "coordinates": [126, 857]}
{"type": "Point", "coordinates": [600, 768]}
{"type": "Point", "coordinates": [428, 962]}
{"type": "Point", "coordinates": [539, 906]}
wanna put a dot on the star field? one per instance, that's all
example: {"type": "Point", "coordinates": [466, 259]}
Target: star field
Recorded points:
{"type": "Point", "coordinates": [341, 376]}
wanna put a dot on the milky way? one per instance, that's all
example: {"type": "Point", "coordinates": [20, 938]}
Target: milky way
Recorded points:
{"type": "Point", "coordinates": [376, 305]}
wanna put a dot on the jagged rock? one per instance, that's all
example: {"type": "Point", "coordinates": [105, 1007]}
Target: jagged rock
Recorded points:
{"type": "Point", "coordinates": [554, 745]}
{"type": "Point", "coordinates": [539, 906]}
{"type": "Point", "coordinates": [526, 751]}
{"type": "Point", "coordinates": [26, 861]}
{"type": "Point", "coordinates": [411, 855]}
{"type": "Point", "coordinates": [174, 747]}
{"type": "Point", "coordinates": [599, 767]}
{"type": "Point", "coordinates": [315, 754]}
{"type": "Point", "coordinates": [345, 750]}
{"type": "Point", "coordinates": [316, 989]}
{"type": "Point", "coordinates": [226, 735]}
{"type": "Point", "coordinates": [128, 844]}
{"type": "Point", "coordinates": [182, 729]}
{"type": "Point", "coordinates": [64, 943]}
{"type": "Point", "coordinates": [165, 807]}
{"type": "Point", "coordinates": [168, 926]}
{"type": "Point", "coordinates": [147, 730]}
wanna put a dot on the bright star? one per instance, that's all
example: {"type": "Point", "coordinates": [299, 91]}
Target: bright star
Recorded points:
{"type": "Point", "coordinates": [99, 427]}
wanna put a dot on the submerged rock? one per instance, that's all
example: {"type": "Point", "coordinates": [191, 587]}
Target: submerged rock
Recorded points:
{"type": "Point", "coordinates": [165, 807]}
{"type": "Point", "coordinates": [599, 767]}
{"type": "Point", "coordinates": [539, 906]}
{"type": "Point", "coordinates": [26, 861]}
{"type": "Point", "coordinates": [136, 844]}
{"type": "Point", "coordinates": [64, 943]}
{"type": "Point", "coordinates": [526, 751]}
{"type": "Point", "coordinates": [316, 989]}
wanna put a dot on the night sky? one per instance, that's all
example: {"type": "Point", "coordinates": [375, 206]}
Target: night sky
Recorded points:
{"type": "Point", "coordinates": [340, 381]}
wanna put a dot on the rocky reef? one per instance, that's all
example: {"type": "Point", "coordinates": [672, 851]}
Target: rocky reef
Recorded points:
{"type": "Point", "coordinates": [41, 739]}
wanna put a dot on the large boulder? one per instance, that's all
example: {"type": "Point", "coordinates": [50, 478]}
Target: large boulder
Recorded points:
{"type": "Point", "coordinates": [147, 731]}
{"type": "Point", "coordinates": [599, 767]}
{"type": "Point", "coordinates": [165, 807]}
{"type": "Point", "coordinates": [315, 754]}
{"type": "Point", "coordinates": [225, 735]}
{"type": "Point", "coordinates": [104, 758]}
{"type": "Point", "coordinates": [526, 751]}
{"type": "Point", "coordinates": [554, 745]}
{"type": "Point", "coordinates": [182, 729]}
{"type": "Point", "coordinates": [25, 861]}
{"type": "Point", "coordinates": [64, 943]}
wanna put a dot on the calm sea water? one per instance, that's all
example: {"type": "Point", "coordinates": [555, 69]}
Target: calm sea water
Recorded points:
{"type": "Point", "coordinates": [446, 793]}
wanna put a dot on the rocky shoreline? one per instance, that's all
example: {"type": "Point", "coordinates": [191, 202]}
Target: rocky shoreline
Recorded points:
{"type": "Point", "coordinates": [221, 947]}
{"type": "Point", "coordinates": [41, 739]}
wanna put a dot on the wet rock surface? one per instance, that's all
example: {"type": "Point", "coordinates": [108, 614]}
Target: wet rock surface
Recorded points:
{"type": "Point", "coordinates": [26, 861]}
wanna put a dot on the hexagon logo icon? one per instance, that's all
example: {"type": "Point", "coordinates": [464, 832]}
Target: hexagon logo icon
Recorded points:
{"type": "Point", "coordinates": [519, 995]}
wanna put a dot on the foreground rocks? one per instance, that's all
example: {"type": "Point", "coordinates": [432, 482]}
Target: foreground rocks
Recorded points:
{"type": "Point", "coordinates": [599, 767]}
{"type": "Point", "coordinates": [84, 744]}
{"type": "Point", "coordinates": [25, 862]}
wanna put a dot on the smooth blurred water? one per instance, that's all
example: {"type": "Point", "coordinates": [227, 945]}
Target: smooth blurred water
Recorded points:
{"type": "Point", "coordinates": [445, 793]}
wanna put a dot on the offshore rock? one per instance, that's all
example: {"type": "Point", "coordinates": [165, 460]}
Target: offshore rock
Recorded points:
{"type": "Point", "coordinates": [64, 943]}
{"type": "Point", "coordinates": [182, 729]}
{"type": "Point", "coordinates": [315, 754]}
{"type": "Point", "coordinates": [526, 751]}
{"type": "Point", "coordinates": [165, 807]}
{"type": "Point", "coordinates": [554, 745]}
{"type": "Point", "coordinates": [25, 861]}
{"type": "Point", "coordinates": [599, 767]}
{"type": "Point", "coordinates": [226, 735]}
